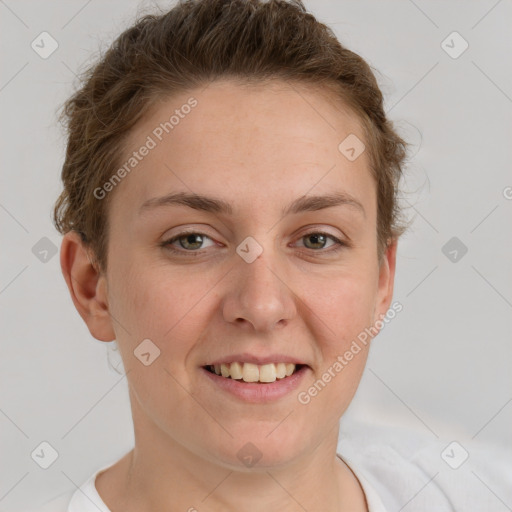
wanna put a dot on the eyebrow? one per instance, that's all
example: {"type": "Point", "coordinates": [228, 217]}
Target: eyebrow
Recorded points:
{"type": "Point", "coordinates": [214, 205]}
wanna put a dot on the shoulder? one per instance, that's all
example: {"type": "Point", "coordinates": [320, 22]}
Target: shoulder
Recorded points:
{"type": "Point", "coordinates": [416, 470]}
{"type": "Point", "coordinates": [82, 499]}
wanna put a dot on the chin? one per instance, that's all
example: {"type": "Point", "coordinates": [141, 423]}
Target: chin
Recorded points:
{"type": "Point", "coordinates": [259, 451]}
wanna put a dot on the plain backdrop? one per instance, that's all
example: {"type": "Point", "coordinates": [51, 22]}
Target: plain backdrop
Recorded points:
{"type": "Point", "coordinates": [441, 367]}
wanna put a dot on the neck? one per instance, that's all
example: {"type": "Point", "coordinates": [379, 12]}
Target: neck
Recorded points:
{"type": "Point", "coordinates": [162, 474]}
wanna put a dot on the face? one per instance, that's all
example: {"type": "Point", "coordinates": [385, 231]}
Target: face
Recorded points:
{"type": "Point", "coordinates": [251, 275]}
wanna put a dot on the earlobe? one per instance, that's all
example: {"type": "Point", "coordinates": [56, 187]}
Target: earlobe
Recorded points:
{"type": "Point", "coordinates": [87, 286]}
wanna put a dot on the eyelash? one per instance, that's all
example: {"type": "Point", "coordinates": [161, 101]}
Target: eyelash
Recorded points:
{"type": "Point", "coordinates": [167, 244]}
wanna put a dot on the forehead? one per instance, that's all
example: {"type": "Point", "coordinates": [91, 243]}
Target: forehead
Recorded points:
{"type": "Point", "coordinates": [258, 142]}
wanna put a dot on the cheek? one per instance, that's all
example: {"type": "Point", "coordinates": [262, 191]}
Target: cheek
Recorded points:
{"type": "Point", "coordinates": [345, 306]}
{"type": "Point", "coordinates": [140, 300]}
{"type": "Point", "coordinates": [167, 305]}
{"type": "Point", "coordinates": [155, 305]}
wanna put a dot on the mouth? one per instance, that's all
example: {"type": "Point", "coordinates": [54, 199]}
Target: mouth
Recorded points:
{"type": "Point", "coordinates": [254, 373]}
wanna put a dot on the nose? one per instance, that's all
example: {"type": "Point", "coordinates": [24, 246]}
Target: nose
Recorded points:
{"type": "Point", "coordinates": [259, 297]}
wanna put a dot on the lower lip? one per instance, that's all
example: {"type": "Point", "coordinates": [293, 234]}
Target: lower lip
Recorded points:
{"type": "Point", "coordinates": [254, 392]}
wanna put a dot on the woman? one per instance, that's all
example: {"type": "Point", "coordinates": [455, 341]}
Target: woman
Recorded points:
{"type": "Point", "coordinates": [230, 218]}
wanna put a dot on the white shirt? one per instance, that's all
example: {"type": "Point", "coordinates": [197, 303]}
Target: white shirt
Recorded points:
{"type": "Point", "coordinates": [399, 470]}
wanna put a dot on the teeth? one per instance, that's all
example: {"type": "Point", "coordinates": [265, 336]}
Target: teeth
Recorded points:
{"type": "Point", "coordinates": [224, 370]}
{"type": "Point", "coordinates": [290, 368]}
{"type": "Point", "coordinates": [268, 373]}
{"type": "Point", "coordinates": [249, 372]}
{"type": "Point", "coordinates": [280, 370]}
{"type": "Point", "coordinates": [235, 371]}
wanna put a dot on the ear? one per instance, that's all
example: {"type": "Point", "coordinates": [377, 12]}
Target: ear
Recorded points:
{"type": "Point", "coordinates": [87, 286]}
{"type": "Point", "coordinates": [386, 280]}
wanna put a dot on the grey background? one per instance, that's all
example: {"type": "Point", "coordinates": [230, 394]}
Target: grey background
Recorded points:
{"type": "Point", "coordinates": [442, 367]}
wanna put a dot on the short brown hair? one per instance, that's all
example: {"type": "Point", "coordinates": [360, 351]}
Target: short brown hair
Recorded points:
{"type": "Point", "coordinates": [194, 43]}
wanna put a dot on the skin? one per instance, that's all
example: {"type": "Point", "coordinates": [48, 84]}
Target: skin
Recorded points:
{"type": "Point", "coordinates": [258, 147]}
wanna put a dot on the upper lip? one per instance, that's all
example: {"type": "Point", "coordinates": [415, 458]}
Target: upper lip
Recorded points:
{"type": "Point", "coordinates": [259, 360]}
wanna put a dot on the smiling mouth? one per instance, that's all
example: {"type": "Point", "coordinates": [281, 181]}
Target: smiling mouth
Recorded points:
{"type": "Point", "coordinates": [249, 372]}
